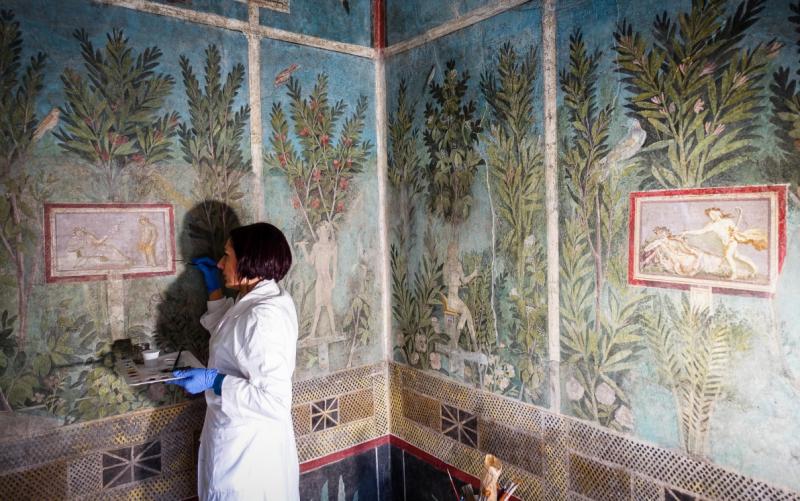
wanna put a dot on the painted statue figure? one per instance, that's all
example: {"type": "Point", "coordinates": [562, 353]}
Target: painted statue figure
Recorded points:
{"type": "Point", "coordinates": [92, 252]}
{"type": "Point", "coordinates": [674, 255]}
{"type": "Point", "coordinates": [454, 274]}
{"type": "Point", "coordinates": [723, 226]}
{"type": "Point", "coordinates": [148, 236]}
{"type": "Point", "coordinates": [323, 257]}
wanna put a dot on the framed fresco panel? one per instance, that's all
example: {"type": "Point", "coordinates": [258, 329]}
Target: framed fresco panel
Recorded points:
{"type": "Point", "coordinates": [92, 241]}
{"type": "Point", "coordinates": [729, 239]}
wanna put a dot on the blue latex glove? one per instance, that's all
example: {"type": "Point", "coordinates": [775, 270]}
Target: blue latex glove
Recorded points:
{"type": "Point", "coordinates": [198, 380]}
{"type": "Point", "coordinates": [208, 267]}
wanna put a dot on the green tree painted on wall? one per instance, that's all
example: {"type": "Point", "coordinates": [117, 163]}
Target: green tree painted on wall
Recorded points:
{"type": "Point", "coordinates": [22, 193]}
{"type": "Point", "coordinates": [414, 293]}
{"type": "Point", "coordinates": [320, 164]}
{"type": "Point", "coordinates": [321, 173]}
{"type": "Point", "coordinates": [785, 98]}
{"type": "Point", "coordinates": [515, 163]}
{"type": "Point", "coordinates": [600, 340]}
{"type": "Point", "coordinates": [696, 90]}
{"type": "Point", "coordinates": [451, 137]}
{"type": "Point", "coordinates": [211, 142]}
{"type": "Point", "coordinates": [693, 348]}
{"type": "Point", "coordinates": [112, 117]}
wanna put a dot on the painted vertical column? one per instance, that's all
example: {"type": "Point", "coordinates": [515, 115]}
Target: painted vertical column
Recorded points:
{"type": "Point", "coordinates": [379, 42]}
{"type": "Point", "coordinates": [254, 88]}
{"type": "Point", "coordinates": [549, 72]}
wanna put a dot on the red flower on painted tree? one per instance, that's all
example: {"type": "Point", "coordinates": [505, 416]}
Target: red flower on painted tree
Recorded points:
{"type": "Point", "coordinates": [325, 154]}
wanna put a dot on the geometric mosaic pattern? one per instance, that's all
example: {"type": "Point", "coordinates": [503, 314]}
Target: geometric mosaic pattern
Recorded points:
{"type": "Point", "coordinates": [324, 414]}
{"type": "Point", "coordinates": [149, 453]}
{"type": "Point", "coordinates": [126, 465]}
{"type": "Point", "coordinates": [460, 425]}
{"type": "Point", "coordinates": [553, 456]}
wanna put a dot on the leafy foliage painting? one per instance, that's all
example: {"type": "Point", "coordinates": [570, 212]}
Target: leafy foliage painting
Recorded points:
{"type": "Point", "coordinates": [693, 348]}
{"type": "Point", "coordinates": [451, 138]}
{"type": "Point", "coordinates": [785, 98]}
{"type": "Point", "coordinates": [211, 143]}
{"type": "Point", "coordinates": [321, 172]}
{"type": "Point", "coordinates": [696, 90]}
{"type": "Point", "coordinates": [414, 293]}
{"type": "Point", "coordinates": [319, 164]}
{"type": "Point", "coordinates": [22, 193]}
{"type": "Point", "coordinates": [515, 163]}
{"type": "Point", "coordinates": [599, 335]}
{"type": "Point", "coordinates": [112, 118]}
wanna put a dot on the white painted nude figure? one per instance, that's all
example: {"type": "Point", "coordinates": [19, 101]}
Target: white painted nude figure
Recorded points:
{"type": "Point", "coordinates": [148, 236]}
{"type": "Point", "coordinates": [674, 255]}
{"type": "Point", "coordinates": [92, 252]}
{"type": "Point", "coordinates": [454, 274]}
{"type": "Point", "coordinates": [723, 226]}
{"type": "Point", "coordinates": [323, 257]}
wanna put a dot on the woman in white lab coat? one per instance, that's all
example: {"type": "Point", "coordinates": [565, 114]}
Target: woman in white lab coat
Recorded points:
{"type": "Point", "coordinates": [247, 449]}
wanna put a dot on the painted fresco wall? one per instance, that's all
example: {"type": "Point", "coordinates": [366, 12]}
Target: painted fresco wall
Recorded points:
{"type": "Point", "coordinates": [321, 186]}
{"type": "Point", "coordinates": [466, 216]}
{"type": "Point", "coordinates": [702, 359]}
{"type": "Point", "coordinates": [699, 96]}
{"type": "Point", "coordinates": [409, 19]}
{"type": "Point", "coordinates": [348, 21]}
{"type": "Point", "coordinates": [112, 106]}
{"type": "Point", "coordinates": [103, 113]}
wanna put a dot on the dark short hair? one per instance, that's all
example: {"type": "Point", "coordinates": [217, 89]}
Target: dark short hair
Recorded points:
{"type": "Point", "coordinates": [261, 252]}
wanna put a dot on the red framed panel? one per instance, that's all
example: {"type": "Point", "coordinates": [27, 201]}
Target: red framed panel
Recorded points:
{"type": "Point", "coordinates": [84, 242]}
{"type": "Point", "coordinates": [730, 239]}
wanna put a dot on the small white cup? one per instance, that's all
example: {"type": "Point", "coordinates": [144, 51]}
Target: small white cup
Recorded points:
{"type": "Point", "coordinates": [150, 357]}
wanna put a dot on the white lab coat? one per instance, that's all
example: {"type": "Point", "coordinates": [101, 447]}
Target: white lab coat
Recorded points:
{"type": "Point", "coordinates": [247, 448]}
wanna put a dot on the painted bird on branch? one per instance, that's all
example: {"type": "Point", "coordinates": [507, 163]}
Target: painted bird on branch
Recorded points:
{"type": "Point", "coordinates": [46, 124]}
{"type": "Point", "coordinates": [627, 147]}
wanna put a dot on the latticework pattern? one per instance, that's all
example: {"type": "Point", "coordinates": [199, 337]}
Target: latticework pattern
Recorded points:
{"type": "Point", "coordinates": [41, 483]}
{"type": "Point", "coordinates": [356, 405]}
{"type": "Point", "coordinates": [577, 460]}
{"type": "Point", "coordinates": [644, 489]}
{"type": "Point", "coordinates": [597, 481]}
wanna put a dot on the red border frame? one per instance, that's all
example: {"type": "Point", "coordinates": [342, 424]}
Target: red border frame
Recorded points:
{"type": "Point", "coordinates": [48, 208]}
{"type": "Point", "coordinates": [397, 442]}
{"type": "Point", "coordinates": [780, 189]}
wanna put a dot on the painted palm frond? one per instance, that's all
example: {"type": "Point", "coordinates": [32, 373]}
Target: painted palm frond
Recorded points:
{"type": "Point", "coordinates": [693, 350]}
{"type": "Point", "coordinates": [695, 89]}
{"type": "Point", "coordinates": [451, 138]}
{"type": "Point", "coordinates": [785, 99]}
{"type": "Point", "coordinates": [112, 118]}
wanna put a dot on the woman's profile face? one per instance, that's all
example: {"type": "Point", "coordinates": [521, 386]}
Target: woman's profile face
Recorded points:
{"type": "Point", "coordinates": [228, 266]}
{"type": "Point", "coordinates": [714, 215]}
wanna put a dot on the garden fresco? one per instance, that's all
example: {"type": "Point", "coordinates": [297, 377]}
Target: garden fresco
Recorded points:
{"type": "Point", "coordinates": [700, 96]}
{"type": "Point", "coordinates": [127, 110]}
{"type": "Point", "coordinates": [465, 151]}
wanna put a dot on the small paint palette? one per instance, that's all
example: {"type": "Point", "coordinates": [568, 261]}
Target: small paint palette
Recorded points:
{"type": "Point", "coordinates": [139, 374]}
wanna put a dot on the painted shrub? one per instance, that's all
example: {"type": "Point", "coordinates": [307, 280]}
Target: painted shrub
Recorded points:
{"type": "Point", "coordinates": [464, 155]}
{"type": "Point", "coordinates": [100, 120]}
{"type": "Point", "coordinates": [678, 101]}
{"type": "Point", "coordinates": [320, 181]}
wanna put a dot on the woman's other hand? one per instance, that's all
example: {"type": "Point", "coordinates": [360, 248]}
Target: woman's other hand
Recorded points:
{"type": "Point", "coordinates": [197, 380]}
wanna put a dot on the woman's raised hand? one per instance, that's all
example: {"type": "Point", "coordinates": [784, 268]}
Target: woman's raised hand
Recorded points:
{"type": "Point", "coordinates": [208, 267]}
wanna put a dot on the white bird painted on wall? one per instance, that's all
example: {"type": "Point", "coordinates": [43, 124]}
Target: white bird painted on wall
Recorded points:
{"type": "Point", "coordinates": [626, 148]}
{"type": "Point", "coordinates": [46, 124]}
